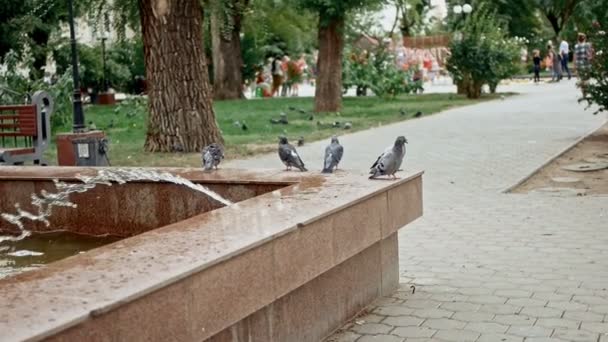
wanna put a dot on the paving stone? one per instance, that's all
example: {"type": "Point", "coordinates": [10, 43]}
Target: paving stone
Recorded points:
{"type": "Point", "coordinates": [372, 318]}
{"type": "Point", "coordinates": [500, 309]}
{"type": "Point", "coordinates": [527, 302]}
{"type": "Point", "coordinates": [557, 323]}
{"type": "Point", "coordinates": [570, 305]}
{"type": "Point", "coordinates": [595, 327]}
{"type": "Point", "coordinates": [487, 327]}
{"type": "Point", "coordinates": [576, 335]}
{"type": "Point", "coordinates": [409, 332]}
{"type": "Point", "coordinates": [583, 316]}
{"type": "Point", "coordinates": [460, 306]}
{"type": "Point", "coordinates": [443, 323]}
{"type": "Point", "coordinates": [538, 311]}
{"type": "Point", "coordinates": [433, 313]}
{"type": "Point", "coordinates": [343, 336]}
{"type": "Point", "coordinates": [393, 311]}
{"type": "Point", "coordinates": [473, 316]}
{"type": "Point", "coordinates": [544, 339]}
{"type": "Point", "coordinates": [380, 338]}
{"type": "Point", "coordinates": [515, 319]}
{"type": "Point", "coordinates": [371, 328]}
{"type": "Point", "coordinates": [456, 335]}
{"type": "Point", "coordinates": [487, 299]}
{"type": "Point", "coordinates": [499, 338]}
{"type": "Point", "coordinates": [421, 304]}
{"type": "Point", "coordinates": [552, 296]}
{"type": "Point", "coordinates": [601, 309]}
{"type": "Point", "coordinates": [530, 331]}
{"type": "Point", "coordinates": [403, 321]}
{"type": "Point", "coordinates": [513, 293]}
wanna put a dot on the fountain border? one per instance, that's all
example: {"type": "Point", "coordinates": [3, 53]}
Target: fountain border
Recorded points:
{"type": "Point", "coordinates": [361, 218]}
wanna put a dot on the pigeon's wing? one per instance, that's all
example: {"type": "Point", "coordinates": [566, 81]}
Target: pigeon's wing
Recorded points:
{"type": "Point", "coordinates": [384, 165]}
{"type": "Point", "coordinates": [208, 159]}
{"type": "Point", "coordinates": [284, 154]}
{"type": "Point", "coordinates": [295, 160]}
{"type": "Point", "coordinates": [338, 152]}
{"type": "Point", "coordinates": [328, 161]}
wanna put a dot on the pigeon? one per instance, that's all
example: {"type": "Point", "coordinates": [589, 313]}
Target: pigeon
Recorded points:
{"type": "Point", "coordinates": [237, 123]}
{"type": "Point", "coordinates": [348, 125]}
{"type": "Point", "coordinates": [291, 108]}
{"type": "Point", "coordinates": [418, 114]}
{"type": "Point", "coordinates": [289, 156]}
{"type": "Point", "coordinates": [389, 162]}
{"type": "Point", "coordinates": [283, 119]}
{"type": "Point", "coordinates": [301, 141]}
{"type": "Point", "coordinates": [333, 155]}
{"type": "Point", "coordinates": [311, 118]}
{"type": "Point", "coordinates": [402, 112]}
{"type": "Point", "coordinates": [335, 124]}
{"type": "Point", "coordinates": [92, 126]}
{"type": "Point", "coordinates": [212, 155]}
{"type": "Point", "coordinates": [244, 127]}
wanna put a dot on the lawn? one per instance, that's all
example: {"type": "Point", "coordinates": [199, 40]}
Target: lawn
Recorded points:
{"type": "Point", "coordinates": [125, 124]}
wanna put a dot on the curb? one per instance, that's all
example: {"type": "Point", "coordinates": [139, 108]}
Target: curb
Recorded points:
{"type": "Point", "coordinates": [550, 160]}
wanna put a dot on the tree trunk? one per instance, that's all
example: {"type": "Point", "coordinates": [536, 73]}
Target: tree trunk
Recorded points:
{"type": "Point", "coordinates": [180, 105]}
{"type": "Point", "coordinates": [227, 57]}
{"type": "Point", "coordinates": [328, 92]}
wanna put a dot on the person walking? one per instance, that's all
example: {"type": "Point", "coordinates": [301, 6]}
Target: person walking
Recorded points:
{"type": "Point", "coordinates": [564, 50]}
{"type": "Point", "coordinates": [556, 74]}
{"type": "Point", "coordinates": [582, 60]}
{"type": "Point", "coordinates": [536, 60]}
{"type": "Point", "coordinates": [277, 75]}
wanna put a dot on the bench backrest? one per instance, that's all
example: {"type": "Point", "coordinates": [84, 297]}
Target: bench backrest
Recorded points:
{"type": "Point", "coordinates": [18, 121]}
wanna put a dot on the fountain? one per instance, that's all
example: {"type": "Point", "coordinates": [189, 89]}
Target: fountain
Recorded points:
{"type": "Point", "coordinates": [267, 255]}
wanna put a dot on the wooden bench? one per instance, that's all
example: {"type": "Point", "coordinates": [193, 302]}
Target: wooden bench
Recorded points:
{"type": "Point", "coordinates": [25, 131]}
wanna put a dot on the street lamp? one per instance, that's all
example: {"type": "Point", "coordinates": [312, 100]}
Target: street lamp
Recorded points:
{"type": "Point", "coordinates": [104, 36]}
{"type": "Point", "coordinates": [466, 8]}
{"type": "Point", "coordinates": [78, 113]}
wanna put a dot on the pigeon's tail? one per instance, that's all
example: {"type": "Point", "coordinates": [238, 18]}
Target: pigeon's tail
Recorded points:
{"type": "Point", "coordinates": [302, 168]}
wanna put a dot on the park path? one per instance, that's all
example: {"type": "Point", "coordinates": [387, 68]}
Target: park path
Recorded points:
{"type": "Point", "coordinates": [488, 266]}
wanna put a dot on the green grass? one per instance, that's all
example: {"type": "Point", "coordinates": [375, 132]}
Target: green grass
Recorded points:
{"type": "Point", "coordinates": [127, 135]}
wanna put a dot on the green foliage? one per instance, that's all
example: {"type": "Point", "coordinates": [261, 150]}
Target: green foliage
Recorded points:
{"type": "Point", "coordinates": [17, 88]}
{"type": "Point", "coordinates": [272, 28]}
{"type": "Point", "coordinates": [596, 90]}
{"type": "Point", "coordinates": [377, 72]}
{"type": "Point", "coordinates": [334, 9]}
{"type": "Point", "coordinates": [483, 54]}
{"type": "Point", "coordinates": [124, 61]}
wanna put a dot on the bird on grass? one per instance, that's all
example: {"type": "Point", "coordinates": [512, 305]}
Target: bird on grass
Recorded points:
{"type": "Point", "coordinates": [333, 155]}
{"type": "Point", "coordinates": [402, 112]}
{"type": "Point", "coordinates": [289, 156]}
{"type": "Point", "coordinates": [211, 156]}
{"type": "Point", "coordinates": [388, 163]}
{"type": "Point", "coordinates": [301, 141]}
{"type": "Point", "coordinates": [418, 114]}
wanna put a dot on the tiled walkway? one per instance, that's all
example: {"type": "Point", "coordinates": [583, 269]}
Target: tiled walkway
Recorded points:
{"type": "Point", "coordinates": [489, 266]}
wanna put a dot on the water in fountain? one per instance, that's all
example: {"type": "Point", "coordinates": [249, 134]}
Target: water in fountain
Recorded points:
{"type": "Point", "coordinates": [45, 202]}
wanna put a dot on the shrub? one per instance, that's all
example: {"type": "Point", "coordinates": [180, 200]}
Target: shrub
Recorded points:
{"type": "Point", "coordinates": [377, 71]}
{"type": "Point", "coordinates": [483, 54]}
{"type": "Point", "coordinates": [596, 90]}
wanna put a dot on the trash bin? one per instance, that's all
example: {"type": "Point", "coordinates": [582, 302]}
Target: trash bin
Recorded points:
{"type": "Point", "coordinates": [91, 151]}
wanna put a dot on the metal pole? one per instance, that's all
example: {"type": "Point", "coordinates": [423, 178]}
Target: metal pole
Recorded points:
{"type": "Point", "coordinates": [103, 56]}
{"type": "Point", "coordinates": [78, 113]}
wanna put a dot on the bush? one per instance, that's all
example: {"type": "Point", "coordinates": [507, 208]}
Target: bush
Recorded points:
{"type": "Point", "coordinates": [377, 72]}
{"type": "Point", "coordinates": [596, 90]}
{"type": "Point", "coordinates": [124, 61]}
{"type": "Point", "coordinates": [482, 54]}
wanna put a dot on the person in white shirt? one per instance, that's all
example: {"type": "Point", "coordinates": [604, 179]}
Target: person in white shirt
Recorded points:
{"type": "Point", "coordinates": [563, 51]}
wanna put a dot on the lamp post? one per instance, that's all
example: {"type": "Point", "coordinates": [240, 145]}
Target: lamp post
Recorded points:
{"type": "Point", "coordinates": [104, 84]}
{"type": "Point", "coordinates": [78, 113]}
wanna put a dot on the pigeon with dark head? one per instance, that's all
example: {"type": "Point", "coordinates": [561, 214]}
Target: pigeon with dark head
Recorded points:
{"type": "Point", "coordinates": [212, 155]}
{"type": "Point", "coordinates": [289, 156]}
{"type": "Point", "coordinates": [388, 163]}
{"type": "Point", "coordinates": [333, 155]}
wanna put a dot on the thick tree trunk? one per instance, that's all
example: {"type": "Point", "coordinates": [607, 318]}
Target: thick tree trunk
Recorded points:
{"type": "Point", "coordinates": [328, 92]}
{"type": "Point", "coordinates": [227, 58]}
{"type": "Point", "coordinates": [179, 96]}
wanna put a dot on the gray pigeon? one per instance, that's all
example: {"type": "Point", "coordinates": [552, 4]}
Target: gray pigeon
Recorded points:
{"type": "Point", "coordinates": [333, 155]}
{"type": "Point", "coordinates": [389, 162]}
{"type": "Point", "coordinates": [289, 156]}
{"type": "Point", "coordinates": [212, 155]}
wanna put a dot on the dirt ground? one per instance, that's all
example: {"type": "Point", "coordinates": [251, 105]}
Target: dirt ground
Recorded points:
{"type": "Point", "coordinates": [553, 179]}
